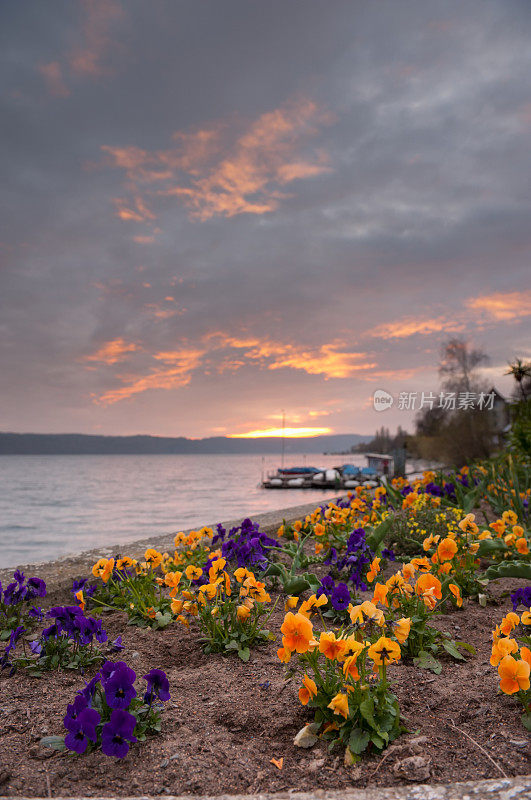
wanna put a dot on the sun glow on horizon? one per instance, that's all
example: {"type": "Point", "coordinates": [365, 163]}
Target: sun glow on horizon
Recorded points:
{"type": "Point", "coordinates": [289, 433]}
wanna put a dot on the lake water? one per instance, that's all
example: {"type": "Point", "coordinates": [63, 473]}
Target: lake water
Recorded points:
{"type": "Point", "coordinates": [53, 505]}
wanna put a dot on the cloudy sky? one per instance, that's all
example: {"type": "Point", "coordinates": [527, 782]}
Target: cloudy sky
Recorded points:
{"type": "Point", "coordinates": [217, 210]}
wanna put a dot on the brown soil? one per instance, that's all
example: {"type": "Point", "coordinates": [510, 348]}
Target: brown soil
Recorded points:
{"type": "Point", "coordinates": [224, 722]}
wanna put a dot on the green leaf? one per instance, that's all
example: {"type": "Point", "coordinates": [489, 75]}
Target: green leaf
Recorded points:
{"type": "Point", "coordinates": [452, 650]}
{"type": "Point", "coordinates": [232, 645]}
{"type": "Point", "coordinates": [358, 740]}
{"type": "Point", "coordinates": [526, 721]}
{"type": "Point", "coordinates": [466, 646]}
{"type": "Point", "coordinates": [510, 569]}
{"type": "Point", "coordinates": [377, 536]}
{"type": "Point", "coordinates": [244, 653]}
{"type": "Point", "coordinates": [163, 620]}
{"type": "Point", "coordinates": [274, 570]}
{"type": "Point", "coordinates": [296, 586]}
{"type": "Point", "coordinates": [367, 711]}
{"type": "Point", "coordinates": [425, 660]}
{"type": "Point", "coordinates": [55, 742]}
{"type": "Point", "coordinates": [378, 741]}
{"type": "Point", "coordinates": [489, 547]}
{"type": "Point", "coordinates": [313, 580]}
{"type": "Point", "coordinates": [386, 722]}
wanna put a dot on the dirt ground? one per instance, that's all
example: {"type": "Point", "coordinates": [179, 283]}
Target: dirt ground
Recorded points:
{"type": "Point", "coordinates": [226, 720]}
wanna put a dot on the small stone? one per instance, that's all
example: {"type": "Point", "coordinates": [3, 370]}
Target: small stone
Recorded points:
{"type": "Point", "coordinates": [135, 654]}
{"type": "Point", "coordinates": [414, 768]}
{"type": "Point", "coordinates": [418, 740]}
{"type": "Point", "coordinates": [305, 738]}
{"type": "Point", "coordinates": [164, 763]}
{"type": "Point", "coordinates": [40, 753]}
{"type": "Point", "coordinates": [315, 764]}
{"type": "Point", "coordinates": [412, 747]}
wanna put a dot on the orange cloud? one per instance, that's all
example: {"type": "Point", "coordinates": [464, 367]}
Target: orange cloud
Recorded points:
{"type": "Point", "coordinates": [136, 211]}
{"type": "Point", "coordinates": [53, 77]}
{"type": "Point", "coordinates": [160, 312]}
{"type": "Point", "coordinates": [329, 360]}
{"type": "Point", "coordinates": [219, 353]}
{"type": "Point", "coordinates": [99, 16]}
{"type": "Point", "coordinates": [325, 361]}
{"type": "Point", "coordinates": [503, 305]}
{"type": "Point", "coordinates": [218, 172]}
{"type": "Point", "coordinates": [91, 56]}
{"type": "Point", "coordinates": [411, 326]}
{"type": "Point", "coordinates": [112, 351]}
{"type": "Point", "coordinates": [173, 377]}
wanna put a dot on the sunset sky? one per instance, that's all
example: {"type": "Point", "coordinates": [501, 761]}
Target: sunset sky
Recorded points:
{"type": "Point", "coordinates": [214, 211]}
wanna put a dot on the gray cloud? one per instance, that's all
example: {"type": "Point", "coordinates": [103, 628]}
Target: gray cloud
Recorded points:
{"type": "Point", "coordinates": [418, 202]}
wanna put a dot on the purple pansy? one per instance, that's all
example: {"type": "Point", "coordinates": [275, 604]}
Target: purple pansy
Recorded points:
{"type": "Point", "coordinates": [117, 733]}
{"type": "Point", "coordinates": [340, 597]}
{"type": "Point", "coordinates": [118, 688]}
{"type": "Point", "coordinates": [81, 730]}
{"type": "Point", "coordinates": [157, 686]}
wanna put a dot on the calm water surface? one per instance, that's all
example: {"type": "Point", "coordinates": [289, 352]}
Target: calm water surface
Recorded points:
{"type": "Point", "coordinates": [52, 505]}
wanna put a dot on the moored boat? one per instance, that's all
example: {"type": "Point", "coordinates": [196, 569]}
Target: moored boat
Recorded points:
{"type": "Point", "coordinates": [346, 476]}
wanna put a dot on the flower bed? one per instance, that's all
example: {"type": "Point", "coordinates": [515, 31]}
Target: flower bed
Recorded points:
{"type": "Point", "coordinates": [256, 643]}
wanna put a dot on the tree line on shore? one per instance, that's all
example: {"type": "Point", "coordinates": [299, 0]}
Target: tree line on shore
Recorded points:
{"type": "Point", "coordinates": [455, 435]}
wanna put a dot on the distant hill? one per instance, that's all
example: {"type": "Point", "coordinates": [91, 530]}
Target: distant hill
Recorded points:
{"type": "Point", "coordinates": [84, 444]}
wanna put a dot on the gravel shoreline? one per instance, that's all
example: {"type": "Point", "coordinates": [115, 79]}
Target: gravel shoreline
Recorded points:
{"type": "Point", "coordinates": [60, 572]}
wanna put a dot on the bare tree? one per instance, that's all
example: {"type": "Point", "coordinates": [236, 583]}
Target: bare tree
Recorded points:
{"type": "Point", "coordinates": [459, 364]}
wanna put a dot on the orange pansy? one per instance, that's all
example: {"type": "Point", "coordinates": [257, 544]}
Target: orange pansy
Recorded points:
{"type": "Point", "coordinates": [429, 583]}
{"type": "Point", "coordinates": [501, 648]}
{"type": "Point", "coordinates": [380, 594]}
{"type": "Point", "coordinates": [402, 628]}
{"type": "Point", "coordinates": [307, 690]}
{"type": "Point", "coordinates": [339, 704]}
{"type": "Point", "coordinates": [297, 632]}
{"type": "Point", "coordinates": [446, 549]}
{"type": "Point", "coordinates": [456, 591]}
{"type": "Point", "coordinates": [509, 623]}
{"type": "Point", "coordinates": [514, 675]}
{"type": "Point", "coordinates": [522, 546]}
{"type": "Point", "coordinates": [384, 651]}
{"type": "Point", "coordinates": [331, 647]}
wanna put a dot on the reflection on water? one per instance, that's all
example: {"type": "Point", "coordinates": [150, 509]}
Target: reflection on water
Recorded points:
{"type": "Point", "coordinates": [52, 505]}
